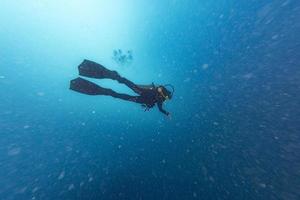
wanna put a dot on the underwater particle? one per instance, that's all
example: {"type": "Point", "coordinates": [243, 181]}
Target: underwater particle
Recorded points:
{"type": "Point", "coordinates": [81, 184]}
{"type": "Point", "coordinates": [71, 187]}
{"type": "Point", "coordinates": [93, 112]}
{"type": "Point", "coordinates": [274, 37]}
{"type": "Point", "coordinates": [26, 126]}
{"type": "Point", "coordinates": [248, 76]}
{"type": "Point", "coordinates": [205, 66]}
{"type": "Point", "coordinates": [285, 3]}
{"type": "Point", "coordinates": [14, 151]}
{"type": "Point", "coordinates": [61, 175]}
{"type": "Point", "coordinates": [2, 77]}
{"type": "Point", "coordinates": [163, 161]}
{"type": "Point", "coordinates": [262, 185]}
{"type": "Point", "coordinates": [91, 179]}
{"type": "Point", "coordinates": [40, 94]}
{"type": "Point", "coordinates": [68, 148]}
{"type": "Point", "coordinates": [211, 179]}
{"type": "Point", "coordinates": [194, 194]}
{"type": "Point", "coordinates": [188, 79]}
{"type": "Point", "coordinates": [119, 146]}
{"type": "Point", "coordinates": [216, 123]}
{"type": "Point", "coordinates": [35, 189]}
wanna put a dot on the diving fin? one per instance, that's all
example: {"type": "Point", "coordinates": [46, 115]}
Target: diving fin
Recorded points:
{"type": "Point", "coordinates": [86, 87]}
{"type": "Point", "coordinates": [94, 70]}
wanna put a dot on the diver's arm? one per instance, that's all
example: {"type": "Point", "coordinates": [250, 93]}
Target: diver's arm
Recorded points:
{"type": "Point", "coordinates": [159, 104]}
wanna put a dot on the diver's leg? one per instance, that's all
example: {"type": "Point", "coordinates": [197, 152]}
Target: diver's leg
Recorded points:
{"type": "Point", "coordinates": [126, 97]}
{"type": "Point", "coordinates": [86, 87]}
{"type": "Point", "coordinates": [129, 84]}
{"type": "Point", "coordinates": [94, 70]}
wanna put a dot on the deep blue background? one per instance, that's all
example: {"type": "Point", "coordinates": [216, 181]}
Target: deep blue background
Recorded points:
{"type": "Point", "coordinates": [234, 132]}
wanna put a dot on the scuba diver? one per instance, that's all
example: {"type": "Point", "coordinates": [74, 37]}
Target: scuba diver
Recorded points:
{"type": "Point", "coordinates": [121, 58]}
{"type": "Point", "coordinates": [148, 95]}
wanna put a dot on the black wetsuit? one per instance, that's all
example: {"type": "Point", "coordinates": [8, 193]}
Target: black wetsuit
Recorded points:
{"type": "Point", "coordinates": [148, 95]}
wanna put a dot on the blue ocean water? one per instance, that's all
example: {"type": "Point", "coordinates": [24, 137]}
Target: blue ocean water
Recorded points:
{"type": "Point", "coordinates": [234, 131]}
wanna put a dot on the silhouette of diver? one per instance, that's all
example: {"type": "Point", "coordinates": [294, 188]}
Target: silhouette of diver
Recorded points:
{"type": "Point", "coordinates": [121, 58]}
{"type": "Point", "coordinates": [148, 95]}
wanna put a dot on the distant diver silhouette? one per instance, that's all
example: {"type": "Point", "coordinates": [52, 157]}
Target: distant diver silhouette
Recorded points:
{"type": "Point", "coordinates": [121, 58]}
{"type": "Point", "coordinates": [148, 95]}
